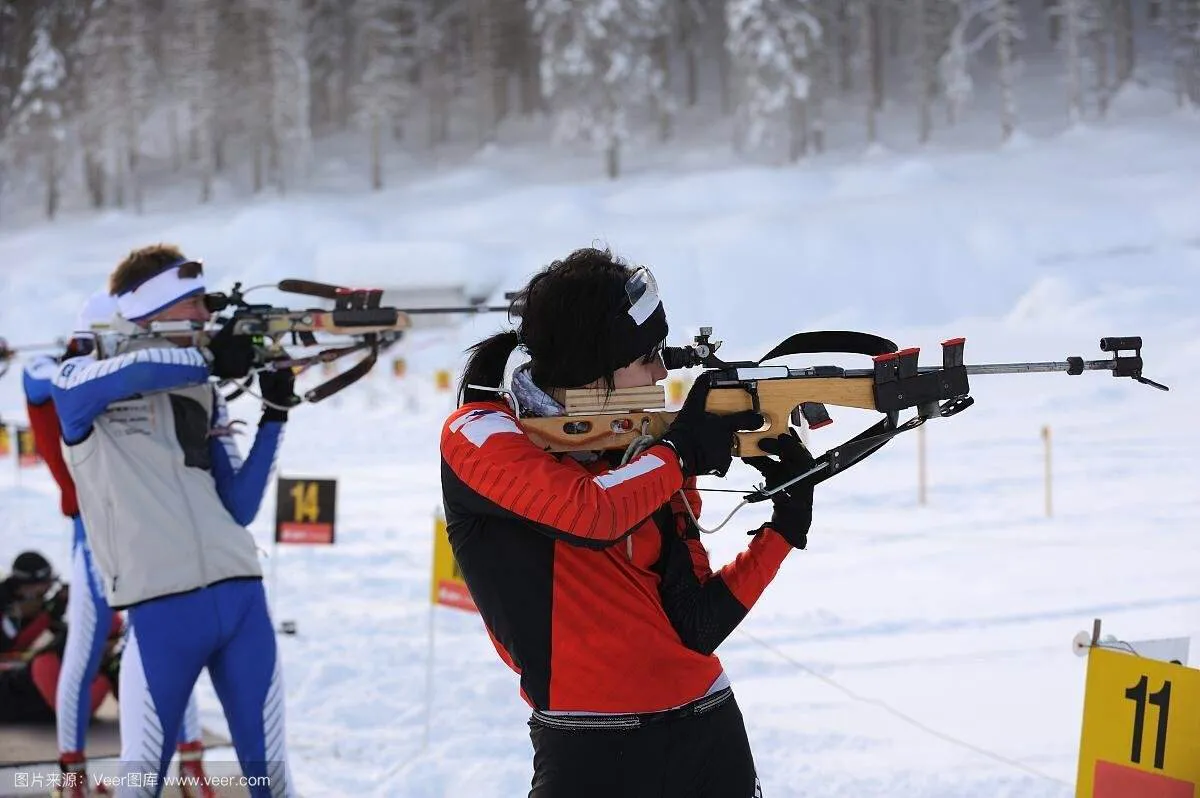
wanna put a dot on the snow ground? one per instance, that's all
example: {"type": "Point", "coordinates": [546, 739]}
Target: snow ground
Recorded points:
{"type": "Point", "coordinates": [958, 615]}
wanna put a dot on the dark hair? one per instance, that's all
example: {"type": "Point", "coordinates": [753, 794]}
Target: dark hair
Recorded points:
{"type": "Point", "coordinates": [142, 264]}
{"type": "Point", "coordinates": [567, 311]}
{"type": "Point", "coordinates": [486, 366]}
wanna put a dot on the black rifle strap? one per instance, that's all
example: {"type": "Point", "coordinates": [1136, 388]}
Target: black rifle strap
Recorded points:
{"type": "Point", "coordinates": [839, 341]}
{"type": "Point", "coordinates": [346, 378]}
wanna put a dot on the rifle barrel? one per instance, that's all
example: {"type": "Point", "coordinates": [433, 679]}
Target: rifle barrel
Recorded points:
{"type": "Point", "coordinates": [468, 309]}
{"type": "Point", "coordinates": [1026, 368]}
{"type": "Point", "coordinates": [997, 368]}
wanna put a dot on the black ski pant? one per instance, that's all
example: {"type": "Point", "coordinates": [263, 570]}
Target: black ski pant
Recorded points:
{"type": "Point", "coordinates": [692, 752]}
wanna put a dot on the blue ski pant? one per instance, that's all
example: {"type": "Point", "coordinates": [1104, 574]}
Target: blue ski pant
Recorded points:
{"type": "Point", "coordinates": [227, 629]}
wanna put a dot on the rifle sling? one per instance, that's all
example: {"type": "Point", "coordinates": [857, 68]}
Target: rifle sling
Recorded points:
{"type": "Point", "coordinates": [855, 450]}
{"type": "Point", "coordinates": [831, 341]}
{"type": "Point", "coordinates": [346, 378]}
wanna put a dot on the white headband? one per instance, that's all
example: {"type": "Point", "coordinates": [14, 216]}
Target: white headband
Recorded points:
{"type": "Point", "coordinates": [642, 291]}
{"type": "Point", "coordinates": [160, 291]}
{"type": "Point", "coordinates": [97, 311]}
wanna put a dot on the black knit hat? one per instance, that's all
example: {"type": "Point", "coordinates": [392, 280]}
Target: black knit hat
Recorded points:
{"type": "Point", "coordinates": [29, 566]}
{"type": "Point", "coordinates": [586, 316]}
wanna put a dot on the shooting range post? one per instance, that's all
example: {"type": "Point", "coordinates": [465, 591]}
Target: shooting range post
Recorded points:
{"type": "Point", "coordinates": [305, 514]}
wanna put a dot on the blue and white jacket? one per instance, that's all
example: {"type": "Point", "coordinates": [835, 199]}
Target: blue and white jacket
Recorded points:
{"type": "Point", "coordinates": [164, 493]}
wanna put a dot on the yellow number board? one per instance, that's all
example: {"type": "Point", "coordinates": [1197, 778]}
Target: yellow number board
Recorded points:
{"type": "Point", "coordinates": [448, 585]}
{"type": "Point", "coordinates": [305, 511]}
{"type": "Point", "coordinates": [1141, 728]}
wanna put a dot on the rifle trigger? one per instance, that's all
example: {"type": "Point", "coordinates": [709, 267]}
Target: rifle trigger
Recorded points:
{"type": "Point", "coordinates": [751, 387]}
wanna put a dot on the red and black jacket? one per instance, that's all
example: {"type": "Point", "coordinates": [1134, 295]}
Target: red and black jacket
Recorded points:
{"type": "Point", "coordinates": [591, 579]}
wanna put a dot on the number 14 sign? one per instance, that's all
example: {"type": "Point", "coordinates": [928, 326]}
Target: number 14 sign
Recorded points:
{"type": "Point", "coordinates": [1141, 728]}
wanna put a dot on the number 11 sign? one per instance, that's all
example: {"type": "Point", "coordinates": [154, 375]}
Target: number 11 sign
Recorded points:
{"type": "Point", "coordinates": [1141, 728]}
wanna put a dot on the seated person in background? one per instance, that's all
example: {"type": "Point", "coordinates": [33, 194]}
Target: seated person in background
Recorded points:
{"type": "Point", "coordinates": [30, 608]}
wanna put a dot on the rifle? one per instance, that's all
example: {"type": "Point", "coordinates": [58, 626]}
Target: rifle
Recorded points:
{"type": "Point", "coordinates": [627, 418]}
{"type": "Point", "coordinates": [9, 353]}
{"type": "Point", "coordinates": [355, 313]}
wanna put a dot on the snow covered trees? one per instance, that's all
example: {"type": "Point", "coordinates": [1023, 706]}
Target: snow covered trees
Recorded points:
{"type": "Point", "coordinates": [772, 43]}
{"type": "Point", "coordinates": [1003, 19]}
{"type": "Point", "coordinates": [598, 67]}
{"type": "Point", "coordinates": [39, 121]}
{"type": "Point", "coordinates": [233, 94]}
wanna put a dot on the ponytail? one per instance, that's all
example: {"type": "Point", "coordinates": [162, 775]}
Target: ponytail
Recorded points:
{"type": "Point", "coordinates": [486, 366]}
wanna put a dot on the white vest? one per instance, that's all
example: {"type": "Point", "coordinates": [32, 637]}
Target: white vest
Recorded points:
{"type": "Point", "coordinates": [154, 519]}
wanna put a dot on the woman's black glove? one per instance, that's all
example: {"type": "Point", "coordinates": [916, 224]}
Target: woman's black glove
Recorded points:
{"type": "Point", "coordinates": [793, 506]}
{"type": "Point", "coordinates": [232, 355]}
{"type": "Point", "coordinates": [277, 387]}
{"type": "Point", "coordinates": [703, 440]}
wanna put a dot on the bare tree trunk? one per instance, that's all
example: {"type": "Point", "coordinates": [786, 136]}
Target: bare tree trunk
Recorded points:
{"type": "Point", "coordinates": [1054, 20]}
{"type": "Point", "coordinates": [1103, 87]}
{"type": "Point", "coordinates": [870, 38]}
{"type": "Point", "coordinates": [53, 196]}
{"type": "Point", "coordinates": [206, 164]}
{"type": "Point", "coordinates": [845, 29]}
{"type": "Point", "coordinates": [690, 39]}
{"type": "Point", "coordinates": [275, 159]}
{"type": "Point", "coordinates": [376, 151]}
{"type": "Point", "coordinates": [925, 70]}
{"type": "Point", "coordinates": [895, 22]}
{"type": "Point", "coordinates": [1005, 60]}
{"type": "Point", "coordinates": [95, 177]}
{"type": "Point", "coordinates": [481, 52]}
{"type": "Point", "coordinates": [1070, 14]}
{"type": "Point", "coordinates": [1190, 49]}
{"type": "Point", "coordinates": [662, 55]}
{"type": "Point", "coordinates": [1178, 33]}
{"type": "Point", "coordinates": [1123, 30]}
{"type": "Point", "coordinates": [342, 106]}
{"type": "Point", "coordinates": [798, 124]}
{"type": "Point", "coordinates": [875, 42]}
{"type": "Point", "coordinates": [118, 177]}
{"type": "Point", "coordinates": [135, 177]}
{"type": "Point", "coordinates": [501, 90]}
{"type": "Point", "coordinates": [218, 149]}
{"type": "Point", "coordinates": [530, 78]}
{"type": "Point", "coordinates": [176, 145]}
{"type": "Point", "coordinates": [193, 137]}
{"type": "Point", "coordinates": [433, 71]}
{"type": "Point", "coordinates": [725, 66]}
{"type": "Point", "coordinates": [822, 78]}
{"type": "Point", "coordinates": [258, 166]}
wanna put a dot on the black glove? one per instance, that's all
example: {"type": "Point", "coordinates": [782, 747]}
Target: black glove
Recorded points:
{"type": "Point", "coordinates": [703, 440]}
{"type": "Point", "coordinates": [232, 355]}
{"type": "Point", "coordinates": [793, 505]}
{"type": "Point", "coordinates": [277, 388]}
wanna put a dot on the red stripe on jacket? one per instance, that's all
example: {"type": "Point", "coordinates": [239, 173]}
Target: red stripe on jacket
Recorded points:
{"type": "Point", "coordinates": [47, 439]}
